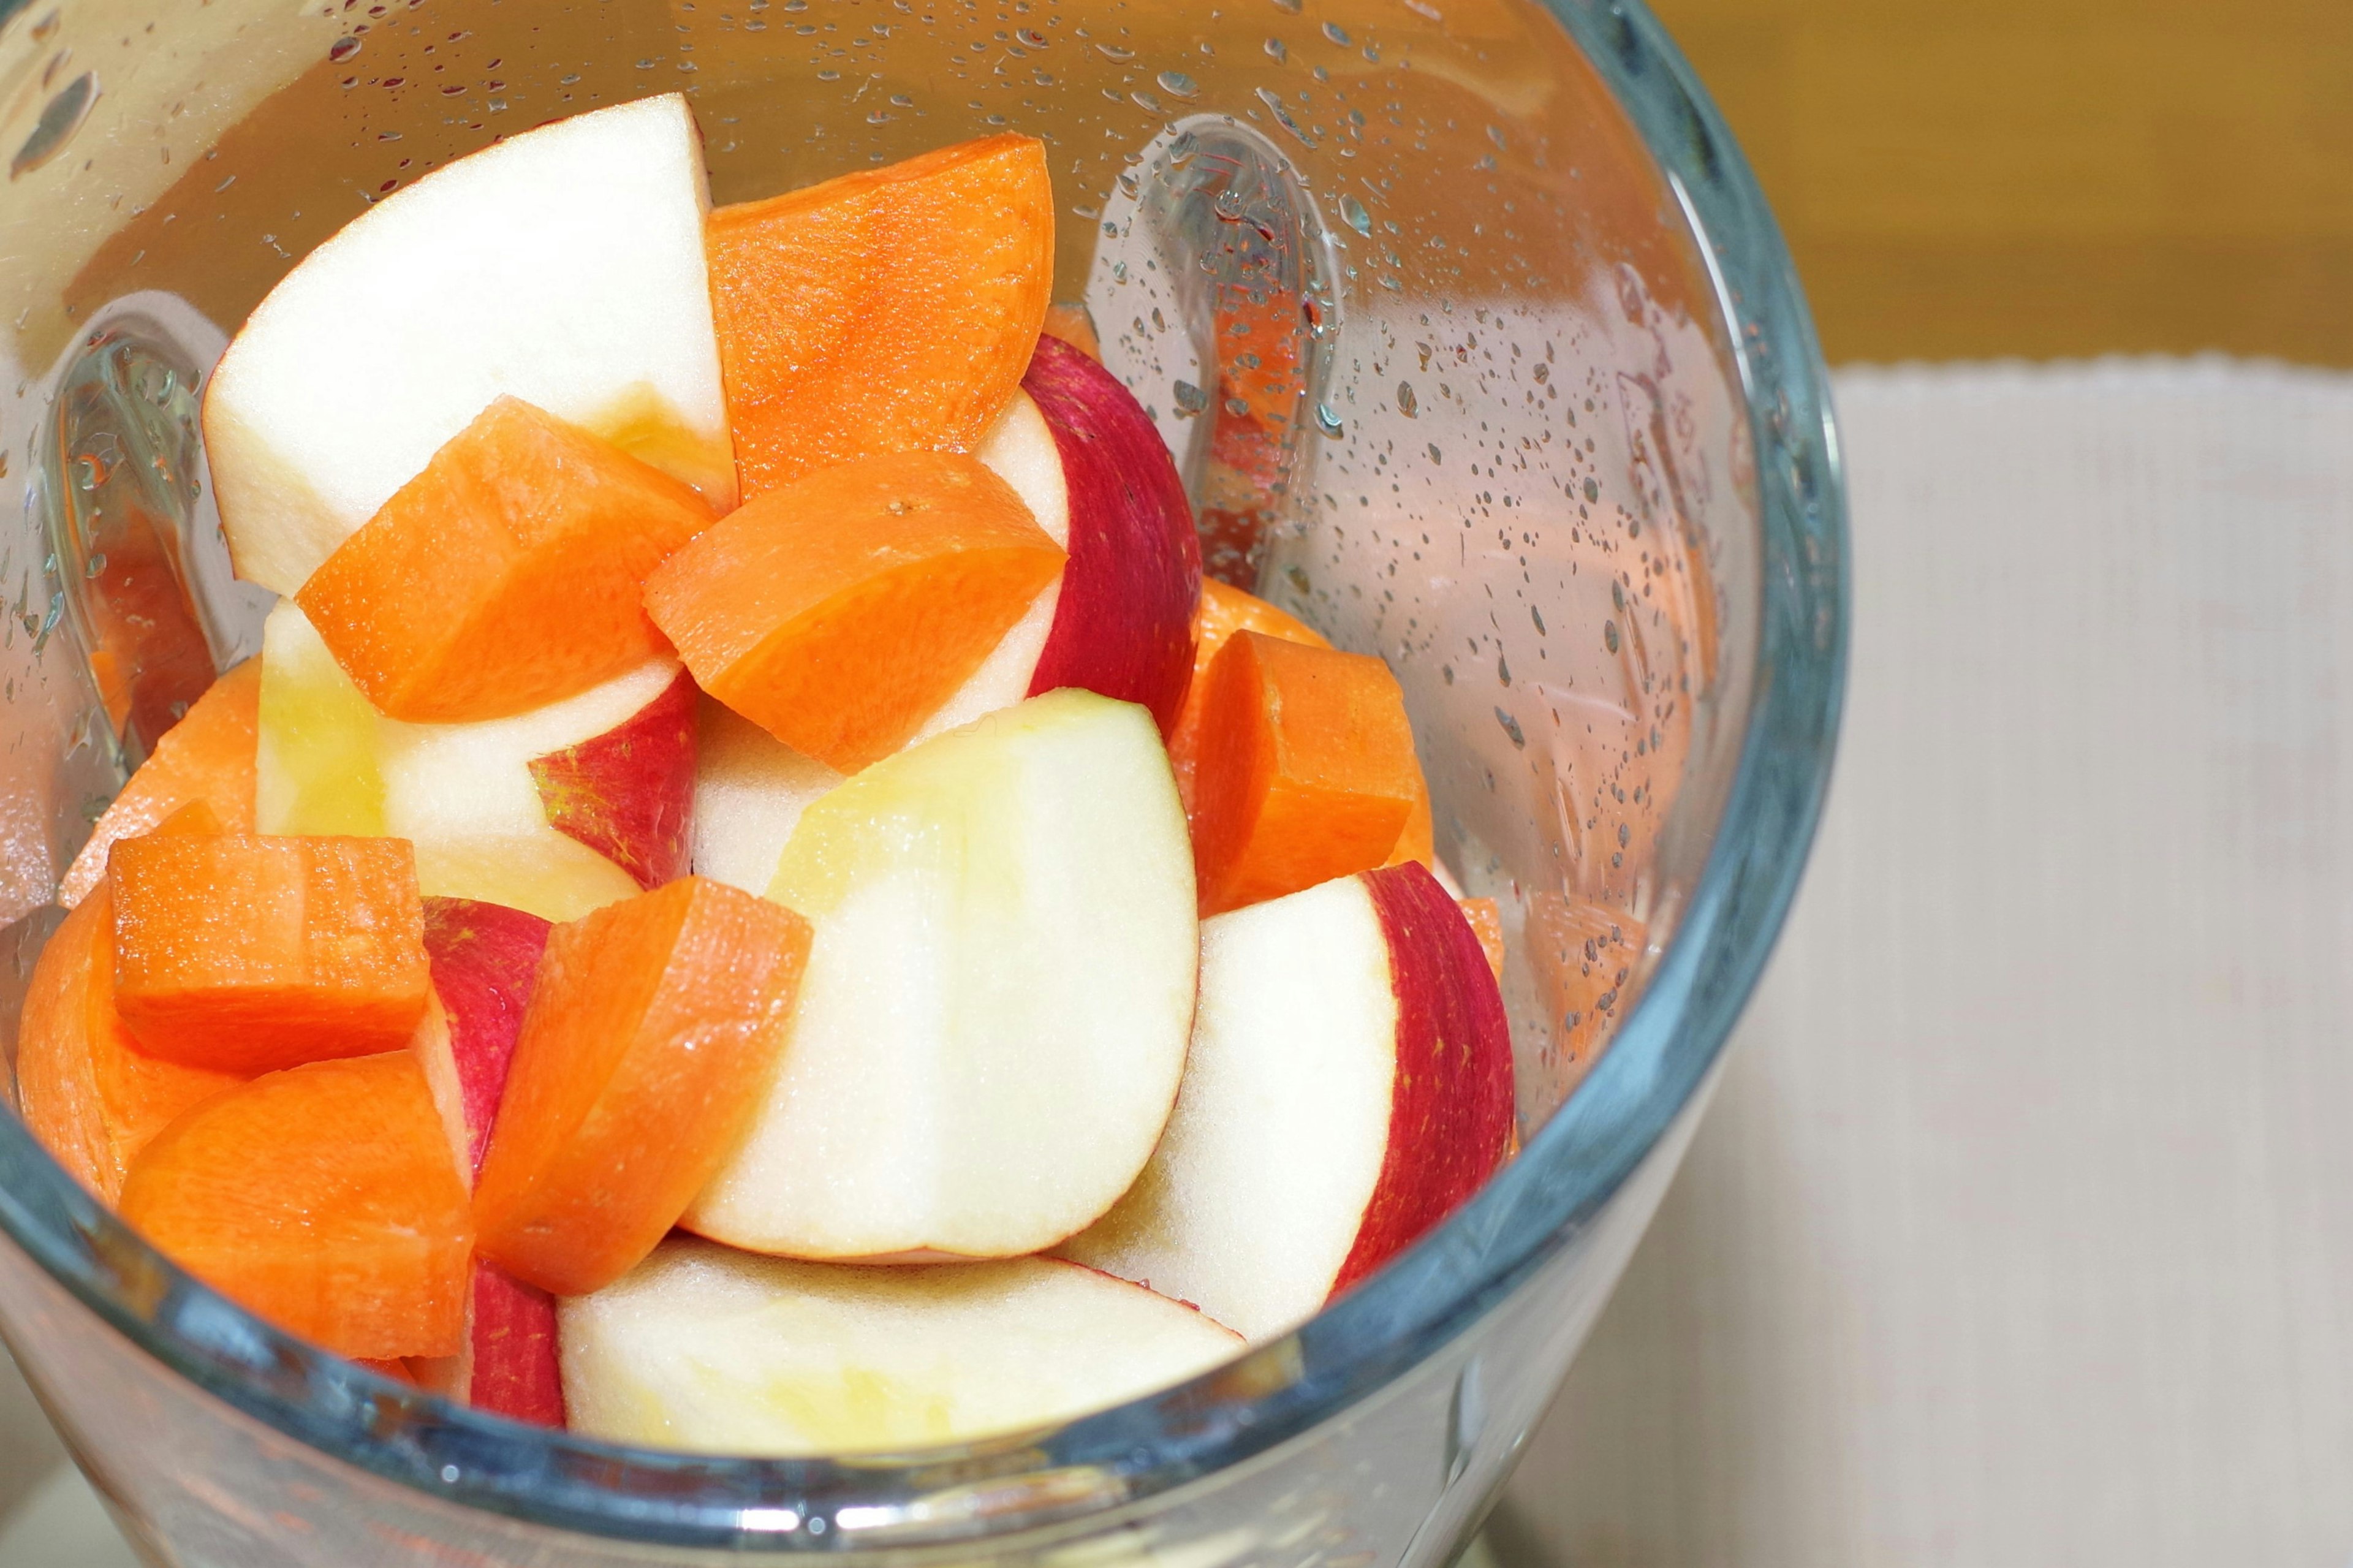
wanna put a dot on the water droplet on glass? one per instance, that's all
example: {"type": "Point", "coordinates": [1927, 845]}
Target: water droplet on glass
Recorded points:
{"type": "Point", "coordinates": [1031, 36]}
{"type": "Point", "coordinates": [85, 474]}
{"type": "Point", "coordinates": [1512, 728]}
{"type": "Point", "coordinates": [877, 117]}
{"type": "Point", "coordinates": [901, 100]}
{"type": "Point", "coordinates": [1359, 218]}
{"type": "Point", "coordinates": [1190, 399]}
{"type": "Point", "coordinates": [1328, 421]}
{"type": "Point", "coordinates": [1274, 46]}
{"type": "Point", "coordinates": [1230, 205]}
{"type": "Point", "coordinates": [1503, 670]}
{"type": "Point", "coordinates": [1177, 84]}
{"type": "Point", "coordinates": [1538, 615]}
{"type": "Point", "coordinates": [1407, 403]}
{"type": "Point", "coordinates": [1610, 635]}
{"type": "Point", "coordinates": [1435, 456]}
{"type": "Point", "coordinates": [1289, 5]}
{"type": "Point", "coordinates": [1592, 490]}
{"type": "Point", "coordinates": [97, 565]}
{"type": "Point", "coordinates": [1145, 102]}
{"type": "Point", "coordinates": [1337, 34]}
{"type": "Point", "coordinates": [60, 118]}
{"type": "Point", "coordinates": [342, 48]}
{"type": "Point", "coordinates": [1237, 407]}
{"type": "Point", "coordinates": [1115, 54]}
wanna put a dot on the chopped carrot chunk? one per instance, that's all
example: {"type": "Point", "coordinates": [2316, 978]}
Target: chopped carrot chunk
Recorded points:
{"type": "Point", "coordinates": [325, 1199]}
{"type": "Point", "coordinates": [1306, 770]}
{"type": "Point", "coordinates": [1581, 955]}
{"type": "Point", "coordinates": [648, 1045]}
{"type": "Point", "coordinates": [88, 1093]}
{"type": "Point", "coordinates": [1224, 610]}
{"type": "Point", "coordinates": [888, 311]}
{"type": "Point", "coordinates": [507, 575]}
{"type": "Point", "coordinates": [246, 954]}
{"type": "Point", "coordinates": [208, 756]}
{"type": "Point", "coordinates": [840, 612]}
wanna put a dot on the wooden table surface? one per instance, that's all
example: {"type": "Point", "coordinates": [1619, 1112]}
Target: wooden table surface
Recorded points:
{"type": "Point", "coordinates": [2050, 178]}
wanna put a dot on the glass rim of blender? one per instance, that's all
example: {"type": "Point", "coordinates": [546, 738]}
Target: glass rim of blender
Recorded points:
{"type": "Point", "coordinates": [1120, 1456]}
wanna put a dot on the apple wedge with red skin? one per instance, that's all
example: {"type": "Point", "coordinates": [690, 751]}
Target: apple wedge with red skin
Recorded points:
{"type": "Point", "coordinates": [485, 962]}
{"type": "Point", "coordinates": [1078, 448]}
{"type": "Point", "coordinates": [702, 1347]}
{"type": "Point", "coordinates": [1124, 626]}
{"type": "Point", "coordinates": [1350, 1059]}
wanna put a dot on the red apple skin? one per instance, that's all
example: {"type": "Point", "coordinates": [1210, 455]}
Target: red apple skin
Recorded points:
{"type": "Point", "coordinates": [485, 963]}
{"type": "Point", "coordinates": [485, 960]}
{"type": "Point", "coordinates": [1450, 1109]}
{"type": "Point", "coordinates": [511, 1345]}
{"type": "Point", "coordinates": [629, 793]}
{"type": "Point", "coordinates": [1124, 626]}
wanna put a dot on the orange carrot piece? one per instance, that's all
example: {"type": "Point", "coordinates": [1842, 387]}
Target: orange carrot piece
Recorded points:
{"type": "Point", "coordinates": [840, 612]}
{"type": "Point", "coordinates": [325, 1199]}
{"type": "Point", "coordinates": [888, 310]}
{"type": "Point", "coordinates": [1418, 840]}
{"type": "Point", "coordinates": [1306, 770]}
{"type": "Point", "coordinates": [208, 756]}
{"type": "Point", "coordinates": [1224, 610]}
{"type": "Point", "coordinates": [1581, 955]}
{"type": "Point", "coordinates": [247, 954]}
{"type": "Point", "coordinates": [93, 1097]}
{"type": "Point", "coordinates": [1486, 917]}
{"type": "Point", "coordinates": [648, 1044]}
{"type": "Point", "coordinates": [507, 574]}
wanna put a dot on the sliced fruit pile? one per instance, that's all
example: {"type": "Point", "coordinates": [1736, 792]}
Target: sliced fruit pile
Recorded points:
{"type": "Point", "coordinates": [1018, 963]}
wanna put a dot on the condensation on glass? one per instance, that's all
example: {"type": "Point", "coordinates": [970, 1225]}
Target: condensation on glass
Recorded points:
{"type": "Point", "coordinates": [1442, 365]}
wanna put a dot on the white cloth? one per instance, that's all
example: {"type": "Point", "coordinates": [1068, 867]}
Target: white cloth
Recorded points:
{"type": "Point", "coordinates": [2022, 1231]}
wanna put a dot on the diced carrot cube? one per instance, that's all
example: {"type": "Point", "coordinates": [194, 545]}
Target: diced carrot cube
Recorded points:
{"type": "Point", "coordinates": [325, 1199]}
{"type": "Point", "coordinates": [1306, 770]}
{"type": "Point", "coordinates": [840, 612]}
{"type": "Point", "coordinates": [888, 310]}
{"type": "Point", "coordinates": [88, 1094]}
{"type": "Point", "coordinates": [1224, 610]}
{"type": "Point", "coordinates": [208, 756]}
{"type": "Point", "coordinates": [647, 1046]}
{"type": "Point", "coordinates": [1417, 839]}
{"type": "Point", "coordinates": [507, 575]}
{"type": "Point", "coordinates": [247, 954]}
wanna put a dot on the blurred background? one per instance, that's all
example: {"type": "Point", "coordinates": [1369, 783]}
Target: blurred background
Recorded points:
{"type": "Point", "coordinates": [2050, 178]}
{"type": "Point", "coordinates": [2022, 1229]}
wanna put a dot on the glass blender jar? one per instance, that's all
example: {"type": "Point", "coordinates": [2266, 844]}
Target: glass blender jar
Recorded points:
{"type": "Point", "coordinates": [1478, 351]}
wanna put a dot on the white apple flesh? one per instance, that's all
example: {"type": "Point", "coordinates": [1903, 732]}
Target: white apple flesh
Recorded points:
{"type": "Point", "coordinates": [750, 790]}
{"type": "Point", "coordinates": [1349, 1087]}
{"type": "Point", "coordinates": [564, 265]}
{"type": "Point", "coordinates": [327, 762]}
{"type": "Point", "coordinates": [701, 1348]}
{"type": "Point", "coordinates": [992, 1020]}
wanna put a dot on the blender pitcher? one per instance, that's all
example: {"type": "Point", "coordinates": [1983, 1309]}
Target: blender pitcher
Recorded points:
{"type": "Point", "coordinates": [1478, 352]}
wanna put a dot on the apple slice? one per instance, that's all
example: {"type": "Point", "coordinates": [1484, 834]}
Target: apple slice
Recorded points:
{"type": "Point", "coordinates": [485, 963]}
{"type": "Point", "coordinates": [993, 1021]}
{"type": "Point", "coordinates": [1349, 1086]}
{"type": "Point", "coordinates": [750, 790]}
{"type": "Point", "coordinates": [1124, 625]}
{"type": "Point", "coordinates": [563, 267]}
{"type": "Point", "coordinates": [486, 825]}
{"type": "Point", "coordinates": [507, 1362]}
{"type": "Point", "coordinates": [705, 1349]}
{"type": "Point", "coordinates": [1079, 449]}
